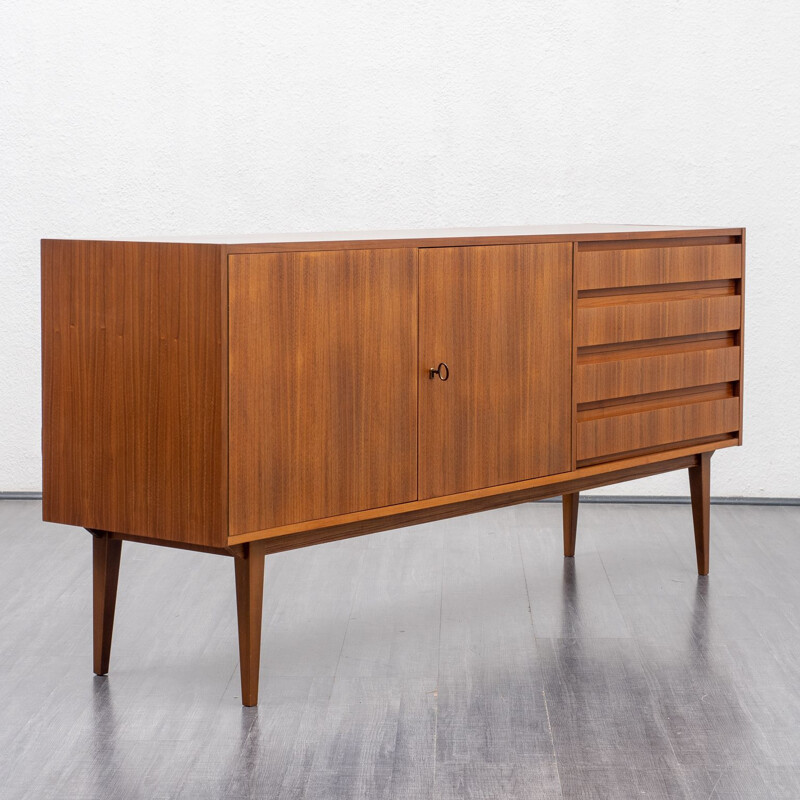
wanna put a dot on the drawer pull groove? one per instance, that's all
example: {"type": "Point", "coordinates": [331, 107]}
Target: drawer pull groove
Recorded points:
{"type": "Point", "coordinates": [661, 426]}
{"type": "Point", "coordinates": [673, 370]}
{"type": "Point", "coordinates": [603, 269]}
{"type": "Point", "coordinates": [656, 320]}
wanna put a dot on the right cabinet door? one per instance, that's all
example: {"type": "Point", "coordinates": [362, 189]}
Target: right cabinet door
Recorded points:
{"type": "Point", "coordinates": [500, 318]}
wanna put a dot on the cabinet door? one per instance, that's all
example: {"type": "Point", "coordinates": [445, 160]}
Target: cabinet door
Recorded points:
{"type": "Point", "coordinates": [323, 389]}
{"type": "Point", "coordinates": [500, 317]}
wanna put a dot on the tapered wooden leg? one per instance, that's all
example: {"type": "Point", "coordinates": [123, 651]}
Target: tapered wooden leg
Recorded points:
{"type": "Point", "coordinates": [569, 507]}
{"type": "Point", "coordinates": [249, 599]}
{"type": "Point", "coordinates": [106, 556]}
{"type": "Point", "coordinates": [700, 488]}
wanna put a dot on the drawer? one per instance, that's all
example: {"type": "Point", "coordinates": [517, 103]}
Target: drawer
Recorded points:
{"type": "Point", "coordinates": [626, 376]}
{"type": "Point", "coordinates": [603, 269]}
{"type": "Point", "coordinates": [632, 321]}
{"type": "Point", "coordinates": [613, 435]}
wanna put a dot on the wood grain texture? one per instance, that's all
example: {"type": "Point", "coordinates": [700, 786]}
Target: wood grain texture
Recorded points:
{"type": "Point", "coordinates": [586, 477]}
{"type": "Point", "coordinates": [632, 376]}
{"type": "Point", "coordinates": [569, 512]}
{"type": "Point", "coordinates": [323, 384]}
{"type": "Point", "coordinates": [134, 417]}
{"type": "Point", "coordinates": [624, 432]}
{"type": "Point", "coordinates": [631, 321]}
{"type": "Point", "coordinates": [332, 409]}
{"type": "Point", "coordinates": [249, 573]}
{"type": "Point", "coordinates": [700, 489]}
{"type": "Point", "coordinates": [660, 293]}
{"type": "Point", "coordinates": [500, 318]}
{"type": "Point", "coordinates": [230, 551]}
{"type": "Point", "coordinates": [648, 402]}
{"type": "Point", "coordinates": [633, 267]}
{"type": "Point", "coordinates": [657, 347]}
{"type": "Point", "coordinates": [106, 553]}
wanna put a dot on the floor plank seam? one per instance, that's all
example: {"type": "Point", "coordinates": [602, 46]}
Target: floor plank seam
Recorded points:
{"type": "Point", "coordinates": [541, 672]}
{"type": "Point", "coordinates": [703, 703]}
{"type": "Point", "coordinates": [349, 619]}
{"type": "Point", "coordinates": [443, 540]}
{"type": "Point", "coordinates": [716, 783]}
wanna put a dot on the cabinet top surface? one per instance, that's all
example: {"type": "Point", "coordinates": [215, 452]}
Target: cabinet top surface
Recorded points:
{"type": "Point", "coordinates": [417, 236]}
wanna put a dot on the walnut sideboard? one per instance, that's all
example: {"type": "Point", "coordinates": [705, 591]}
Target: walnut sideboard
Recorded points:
{"type": "Point", "coordinates": [247, 396]}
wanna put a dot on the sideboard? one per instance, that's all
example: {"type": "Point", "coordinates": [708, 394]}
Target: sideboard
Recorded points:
{"type": "Point", "coordinates": [250, 395]}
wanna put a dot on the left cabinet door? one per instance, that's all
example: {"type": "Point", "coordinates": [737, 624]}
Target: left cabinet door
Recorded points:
{"type": "Point", "coordinates": [323, 389]}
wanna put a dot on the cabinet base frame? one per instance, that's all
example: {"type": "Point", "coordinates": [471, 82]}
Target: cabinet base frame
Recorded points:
{"type": "Point", "coordinates": [249, 557]}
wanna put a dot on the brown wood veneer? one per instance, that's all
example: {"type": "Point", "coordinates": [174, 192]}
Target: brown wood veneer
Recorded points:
{"type": "Point", "coordinates": [252, 395]}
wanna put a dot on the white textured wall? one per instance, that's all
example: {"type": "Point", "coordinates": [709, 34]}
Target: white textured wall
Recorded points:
{"type": "Point", "coordinates": [213, 117]}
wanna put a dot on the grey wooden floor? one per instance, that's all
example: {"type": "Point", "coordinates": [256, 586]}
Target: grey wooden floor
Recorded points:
{"type": "Point", "coordinates": [464, 658]}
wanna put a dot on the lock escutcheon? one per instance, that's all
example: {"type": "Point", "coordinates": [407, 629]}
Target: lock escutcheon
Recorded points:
{"type": "Point", "coordinates": [438, 371]}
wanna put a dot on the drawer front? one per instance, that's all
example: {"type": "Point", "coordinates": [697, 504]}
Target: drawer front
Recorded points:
{"type": "Point", "coordinates": [662, 426]}
{"type": "Point", "coordinates": [658, 345]}
{"type": "Point", "coordinates": [601, 269]}
{"type": "Point", "coordinates": [629, 376]}
{"type": "Point", "coordinates": [630, 321]}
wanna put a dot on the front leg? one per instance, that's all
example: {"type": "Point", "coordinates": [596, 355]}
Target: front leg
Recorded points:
{"type": "Point", "coordinates": [249, 569]}
{"type": "Point", "coordinates": [106, 554]}
{"type": "Point", "coordinates": [569, 506]}
{"type": "Point", "coordinates": [700, 488]}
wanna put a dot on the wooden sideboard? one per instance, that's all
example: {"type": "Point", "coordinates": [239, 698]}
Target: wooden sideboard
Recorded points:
{"type": "Point", "coordinates": [248, 396]}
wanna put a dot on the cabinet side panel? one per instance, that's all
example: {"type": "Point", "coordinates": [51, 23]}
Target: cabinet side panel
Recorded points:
{"type": "Point", "coordinates": [323, 389]}
{"type": "Point", "coordinates": [133, 418]}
